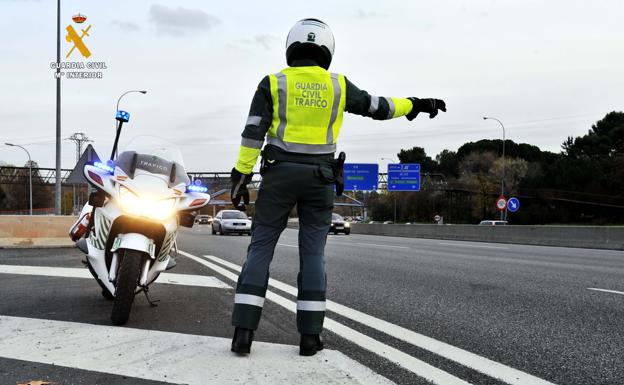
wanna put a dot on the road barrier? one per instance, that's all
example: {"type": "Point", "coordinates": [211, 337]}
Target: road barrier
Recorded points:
{"type": "Point", "coordinates": [595, 237]}
{"type": "Point", "coordinates": [35, 231]}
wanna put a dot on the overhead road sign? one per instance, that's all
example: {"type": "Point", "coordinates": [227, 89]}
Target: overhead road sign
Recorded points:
{"type": "Point", "coordinates": [404, 177]}
{"type": "Point", "coordinates": [361, 176]}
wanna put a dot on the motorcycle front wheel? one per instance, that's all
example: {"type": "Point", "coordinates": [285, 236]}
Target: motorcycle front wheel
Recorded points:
{"type": "Point", "coordinates": [125, 286]}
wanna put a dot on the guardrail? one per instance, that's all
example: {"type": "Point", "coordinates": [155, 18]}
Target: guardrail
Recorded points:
{"type": "Point", "coordinates": [594, 237]}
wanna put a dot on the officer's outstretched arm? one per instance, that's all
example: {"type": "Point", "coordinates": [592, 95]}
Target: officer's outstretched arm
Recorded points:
{"type": "Point", "coordinates": [256, 127]}
{"type": "Point", "coordinates": [362, 103]}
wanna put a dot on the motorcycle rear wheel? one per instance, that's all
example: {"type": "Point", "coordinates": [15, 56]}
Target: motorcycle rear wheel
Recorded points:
{"type": "Point", "coordinates": [125, 286]}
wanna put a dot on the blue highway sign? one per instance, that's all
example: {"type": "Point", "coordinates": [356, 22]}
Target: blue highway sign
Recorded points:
{"type": "Point", "coordinates": [404, 177]}
{"type": "Point", "coordinates": [361, 176]}
{"type": "Point", "coordinates": [513, 204]}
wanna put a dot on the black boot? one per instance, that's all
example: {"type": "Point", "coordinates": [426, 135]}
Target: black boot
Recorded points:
{"type": "Point", "coordinates": [241, 343]}
{"type": "Point", "coordinates": [310, 344]}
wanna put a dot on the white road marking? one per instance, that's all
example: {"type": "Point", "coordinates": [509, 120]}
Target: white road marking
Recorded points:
{"type": "Point", "coordinates": [464, 357]}
{"type": "Point", "coordinates": [283, 244]}
{"type": "Point", "coordinates": [472, 245]}
{"type": "Point", "coordinates": [606, 291]}
{"type": "Point", "coordinates": [172, 357]}
{"type": "Point", "coordinates": [367, 244]}
{"type": "Point", "coordinates": [72, 272]}
{"type": "Point", "coordinates": [396, 356]}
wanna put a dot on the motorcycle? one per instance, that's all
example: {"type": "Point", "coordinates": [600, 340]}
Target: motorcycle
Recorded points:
{"type": "Point", "coordinates": [128, 228]}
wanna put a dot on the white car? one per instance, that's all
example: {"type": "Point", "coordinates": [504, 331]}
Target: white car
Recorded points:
{"type": "Point", "coordinates": [231, 221]}
{"type": "Point", "coordinates": [492, 222]}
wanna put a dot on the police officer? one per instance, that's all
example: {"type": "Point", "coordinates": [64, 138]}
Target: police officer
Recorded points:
{"type": "Point", "coordinates": [298, 112]}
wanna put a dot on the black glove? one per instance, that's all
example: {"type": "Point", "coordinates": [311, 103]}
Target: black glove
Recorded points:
{"type": "Point", "coordinates": [430, 106]}
{"type": "Point", "coordinates": [239, 189]}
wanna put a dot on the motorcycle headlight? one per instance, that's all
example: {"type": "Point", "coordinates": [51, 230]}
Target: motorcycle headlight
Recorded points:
{"type": "Point", "coordinates": [133, 205]}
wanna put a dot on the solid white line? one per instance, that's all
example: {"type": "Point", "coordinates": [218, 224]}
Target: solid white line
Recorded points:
{"type": "Point", "coordinates": [606, 291]}
{"type": "Point", "coordinates": [172, 357]}
{"type": "Point", "coordinates": [471, 245]}
{"type": "Point", "coordinates": [283, 244]}
{"type": "Point", "coordinates": [396, 356]}
{"type": "Point", "coordinates": [72, 272]}
{"type": "Point", "coordinates": [466, 358]}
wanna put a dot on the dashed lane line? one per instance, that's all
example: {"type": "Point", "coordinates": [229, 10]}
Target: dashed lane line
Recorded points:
{"type": "Point", "coordinates": [396, 356]}
{"type": "Point", "coordinates": [606, 291]}
{"type": "Point", "coordinates": [466, 358]}
{"type": "Point", "coordinates": [173, 357]}
{"type": "Point", "coordinates": [73, 272]}
{"type": "Point", "coordinates": [366, 244]}
{"type": "Point", "coordinates": [287, 245]}
{"type": "Point", "coordinates": [462, 244]}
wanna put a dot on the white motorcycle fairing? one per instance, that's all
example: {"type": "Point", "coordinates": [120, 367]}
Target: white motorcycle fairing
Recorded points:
{"type": "Point", "coordinates": [141, 210]}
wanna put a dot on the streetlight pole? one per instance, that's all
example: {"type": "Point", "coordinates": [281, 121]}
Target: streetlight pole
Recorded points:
{"type": "Point", "coordinates": [57, 184]}
{"type": "Point", "coordinates": [394, 194]}
{"type": "Point", "coordinates": [118, 127]}
{"type": "Point", "coordinates": [503, 178]}
{"type": "Point", "coordinates": [29, 172]}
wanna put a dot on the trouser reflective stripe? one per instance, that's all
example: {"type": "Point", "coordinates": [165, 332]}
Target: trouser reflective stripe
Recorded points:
{"type": "Point", "coordinates": [248, 299]}
{"type": "Point", "coordinates": [311, 305]}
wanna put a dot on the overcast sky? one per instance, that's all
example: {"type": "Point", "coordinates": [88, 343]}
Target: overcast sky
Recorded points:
{"type": "Point", "coordinates": [547, 69]}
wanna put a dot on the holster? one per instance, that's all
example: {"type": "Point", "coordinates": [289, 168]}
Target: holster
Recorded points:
{"type": "Point", "coordinates": [339, 173]}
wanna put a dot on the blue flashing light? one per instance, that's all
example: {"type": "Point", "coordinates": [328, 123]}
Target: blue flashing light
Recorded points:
{"type": "Point", "coordinates": [196, 188]}
{"type": "Point", "coordinates": [122, 116]}
{"type": "Point", "coordinates": [197, 182]}
{"type": "Point", "coordinates": [105, 167]}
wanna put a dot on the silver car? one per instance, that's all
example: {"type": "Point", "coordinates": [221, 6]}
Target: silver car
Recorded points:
{"type": "Point", "coordinates": [231, 221]}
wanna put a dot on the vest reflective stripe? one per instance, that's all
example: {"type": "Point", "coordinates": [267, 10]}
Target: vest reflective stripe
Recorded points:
{"type": "Point", "coordinates": [302, 148]}
{"type": "Point", "coordinates": [281, 108]}
{"type": "Point", "coordinates": [253, 120]}
{"type": "Point", "coordinates": [251, 143]}
{"type": "Point", "coordinates": [391, 107]}
{"type": "Point", "coordinates": [308, 107]}
{"type": "Point", "coordinates": [334, 112]}
{"type": "Point", "coordinates": [374, 104]}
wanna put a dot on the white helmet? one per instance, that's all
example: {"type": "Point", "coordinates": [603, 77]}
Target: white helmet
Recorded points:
{"type": "Point", "coordinates": [311, 33]}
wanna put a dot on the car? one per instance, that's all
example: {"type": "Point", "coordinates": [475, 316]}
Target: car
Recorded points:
{"type": "Point", "coordinates": [203, 219]}
{"type": "Point", "coordinates": [231, 221]}
{"type": "Point", "coordinates": [492, 222]}
{"type": "Point", "coordinates": [339, 225]}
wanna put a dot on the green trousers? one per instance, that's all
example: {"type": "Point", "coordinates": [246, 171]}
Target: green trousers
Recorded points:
{"type": "Point", "coordinates": [283, 186]}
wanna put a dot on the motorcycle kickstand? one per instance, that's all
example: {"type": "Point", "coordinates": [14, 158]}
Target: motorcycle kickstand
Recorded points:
{"type": "Point", "coordinates": [152, 303]}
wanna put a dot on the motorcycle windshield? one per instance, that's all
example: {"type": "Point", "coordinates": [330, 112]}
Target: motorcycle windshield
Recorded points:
{"type": "Point", "coordinates": [154, 155]}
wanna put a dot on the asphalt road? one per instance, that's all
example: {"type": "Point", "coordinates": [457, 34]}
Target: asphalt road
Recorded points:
{"type": "Point", "coordinates": [412, 309]}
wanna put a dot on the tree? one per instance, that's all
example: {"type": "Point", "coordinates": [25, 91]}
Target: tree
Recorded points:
{"type": "Point", "coordinates": [418, 155]}
{"type": "Point", "coordinates": [515, 171]}
{"type": "Point", "coordinates": [448, 163]}
{"type": "Point", "coordinates": [475, 173]}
